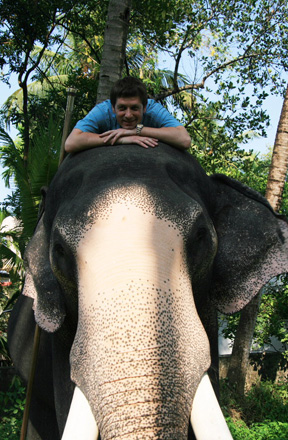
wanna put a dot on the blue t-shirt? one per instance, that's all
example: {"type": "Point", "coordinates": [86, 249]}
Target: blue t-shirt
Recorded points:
{"type": "Point", "coordinates": [102, 118]}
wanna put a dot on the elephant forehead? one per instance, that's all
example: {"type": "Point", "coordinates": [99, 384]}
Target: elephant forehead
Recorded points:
{"type": "Point", "coordinates": [124, 205]}
{"type": "Point", "coordinates": [128, 241]}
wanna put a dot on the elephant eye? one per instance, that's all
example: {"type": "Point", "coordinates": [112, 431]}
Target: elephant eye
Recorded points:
{"type": "Point", "coordinates": [59, 250]}
{"type": "Point", "coordinates": [201, 233]}
{"type": "Point", "coordinates": [62, 262]}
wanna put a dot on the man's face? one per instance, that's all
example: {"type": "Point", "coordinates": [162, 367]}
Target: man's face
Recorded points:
{"type": "Point", "coordinates": [129, 112]}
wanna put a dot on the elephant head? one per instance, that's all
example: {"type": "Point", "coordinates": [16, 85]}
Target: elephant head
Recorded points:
{"type": "Point", "coordinates": [136, 251]}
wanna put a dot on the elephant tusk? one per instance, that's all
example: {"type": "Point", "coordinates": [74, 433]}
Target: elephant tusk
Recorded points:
{"type": "Point", "coordinates": [80, 421]}
{"type": "Point", "coordinates": [206, 416]}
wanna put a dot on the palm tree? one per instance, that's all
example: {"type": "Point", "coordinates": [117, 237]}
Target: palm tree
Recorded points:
{"type": "Point", "coordinates": [279, 164]}
{"type": "Point", "coordinates": [115, 40]}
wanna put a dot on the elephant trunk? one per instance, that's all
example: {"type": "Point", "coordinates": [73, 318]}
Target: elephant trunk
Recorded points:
{"type": "Point", "coordinates": [140, 349]}
{"type": "Point", "coordinates": [207, 419]}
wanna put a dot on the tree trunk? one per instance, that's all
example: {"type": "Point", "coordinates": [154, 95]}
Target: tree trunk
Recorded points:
{"type": "Point", "coordinates": [279, 163]}
{"type": "Point", "coordinates": [239, 359]}
{"type": "Point", "coordinates": [275, 185]}
{"type": "Point", "coordinates": [114, 47]}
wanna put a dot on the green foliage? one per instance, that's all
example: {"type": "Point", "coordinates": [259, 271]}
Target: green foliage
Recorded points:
{"type": "Point", "coordinates": [8, 296]}
{"type": "Point", "coordinates": [42, 166]}
{"type": "Point", "coordinates": [11, 410]}
{"type": "Point", "coordinates": [271, 323]}
{"type": "Point", "coordinates": [273, 315]}
{"type": "Point", "coordinates": [259, 431]}
{"type": "Point", "coordinates": [24, 203]}
{"type": "Point", "coordinates": [231, 58]}
{"type": "Point", "coordinates": [228, 72]}
{"type": "Point", "coordinates": [260, 415]}
{"type": "Point", "coordinates": [11, 261]}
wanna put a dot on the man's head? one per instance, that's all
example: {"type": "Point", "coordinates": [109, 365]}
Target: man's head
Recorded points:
{"type": "Point", "coordinates": [129, 99]}
{"type": "Point", "coordinates": [128, 87]}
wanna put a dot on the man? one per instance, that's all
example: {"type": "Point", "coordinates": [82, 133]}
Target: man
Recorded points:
{"type": "Point", "coordinates": [127, 118]}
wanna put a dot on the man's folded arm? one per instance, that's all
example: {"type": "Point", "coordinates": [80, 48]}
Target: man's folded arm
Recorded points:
{"type": "Point", "coordinates": [176, 136]}
{"type": "Point", "coordinates": [79, 140]}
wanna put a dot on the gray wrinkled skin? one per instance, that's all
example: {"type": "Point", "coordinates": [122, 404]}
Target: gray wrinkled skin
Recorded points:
{"type": "Point", "coordinates": [136, 251]}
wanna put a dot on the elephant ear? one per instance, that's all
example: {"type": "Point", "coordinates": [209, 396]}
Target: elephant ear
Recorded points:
{"type": "Point", "coordinates": [40, 283]}
{"type": "Point", "coordinates": [252, 244]}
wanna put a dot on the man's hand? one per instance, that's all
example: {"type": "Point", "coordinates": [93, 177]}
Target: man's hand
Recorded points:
{"type": "Point", "coordinates": [122, 136]}
{"type": "Point", "coordinates": [144, 142]}
{"type": "Point", "coordinates": [111, 137]}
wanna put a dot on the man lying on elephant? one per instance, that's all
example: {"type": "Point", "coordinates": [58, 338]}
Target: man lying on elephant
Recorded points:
{"type": "Point", "coordinates": [129, 117]}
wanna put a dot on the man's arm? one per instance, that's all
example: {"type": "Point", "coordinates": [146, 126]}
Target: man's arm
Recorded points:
{"type": "Point", "coordinates": [79, 140]}
{"type": "Point", "coordinates": [176, 136]}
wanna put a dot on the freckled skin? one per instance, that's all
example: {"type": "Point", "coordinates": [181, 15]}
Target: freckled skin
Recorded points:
{"type": "Point", "coordinates": [145, 331]}
{"type": "Point", "coordinates": [135, 252]}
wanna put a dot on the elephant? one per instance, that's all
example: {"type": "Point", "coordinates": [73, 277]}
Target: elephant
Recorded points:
{"type": "Point", "coordinates": [134, 254]}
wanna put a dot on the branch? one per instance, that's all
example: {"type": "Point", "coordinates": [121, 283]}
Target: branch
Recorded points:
{"type": "Point", "coordinates": [98, 60]}
{"type": "Point", "coordinates": [183, 47]}
{"type": "Point", "coordinates": [174, 90]}
{"type": "Point", "coordinates": [180, 51]}
{"type": "Point", "coordinates": [36, 63]}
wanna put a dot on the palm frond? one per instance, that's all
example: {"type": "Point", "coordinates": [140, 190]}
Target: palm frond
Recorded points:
{"type": "Point", "coordinates": [5, 139]}
{"type": "Point", "coordinates": [54, 63]}
{"type": "Point", "coordinates": [37, 88]}
{"type": "Point", "coordinates": [10, 156]}
{"type": "Point", "coordinates": [43, 162]}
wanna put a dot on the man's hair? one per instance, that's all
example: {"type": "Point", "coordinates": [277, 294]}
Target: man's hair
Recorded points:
{"type": "Point", "coordinates": [128, 87]}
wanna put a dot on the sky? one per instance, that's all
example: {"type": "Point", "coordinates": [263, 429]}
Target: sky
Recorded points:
{"type": "Point", "coordinates": [273, 105]}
